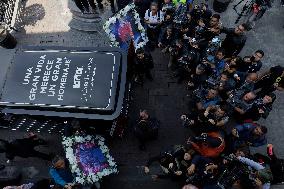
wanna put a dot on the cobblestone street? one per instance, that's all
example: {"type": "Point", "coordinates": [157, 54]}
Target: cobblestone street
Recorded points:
{"type": "Point", "coordinates": [46, 23]}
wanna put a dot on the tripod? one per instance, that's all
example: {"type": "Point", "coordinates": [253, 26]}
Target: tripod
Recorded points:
{"type": "Point", "coordinates": [245, 10]}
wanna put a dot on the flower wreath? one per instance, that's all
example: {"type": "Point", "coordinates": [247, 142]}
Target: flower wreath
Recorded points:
{"type": "Point", "coordinates": [89, 158]}
{"type": "Point", "coordinates": [119, 16]}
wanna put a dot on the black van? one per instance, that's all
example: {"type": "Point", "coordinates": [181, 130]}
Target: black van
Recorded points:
{"type": "Point", "coordinates": [45, 87]}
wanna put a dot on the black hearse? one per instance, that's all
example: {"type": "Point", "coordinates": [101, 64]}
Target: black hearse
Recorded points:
{"type": "Point", "coordinates": [44, 87]}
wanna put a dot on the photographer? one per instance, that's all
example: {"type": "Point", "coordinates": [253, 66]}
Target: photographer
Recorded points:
{"type": "Point", "coordinates": [260, 108]}
{"type": "Point", "coordinates": [214, 118]}
{"type": "Point", "coordinates": [232, 64]}
{"type": "Point", "coordinates": [224, 84]}
{"type": "Point", "coordinates": [153, 19]}
{"type": "Point", "coordinates": [210, 144]}
{"type": "Point", "coordinates": [270, 81]}
{"type": "Point", "coordinates": [263, 175]}
{"type": "Point", "coordinates": [176, 51]}
{"type": "Point", "coordinates": [245, 82]}
{"type": "Point", "coordinates": [197, 78]}
{"type": "Point", "coordinates": [205, 98]}
{"type": "Point", "coordinates": [235, 39]}
{"type": "Point", "coordinates": [241, 102]}
{"type": "Point", "coordinates": [252, 64]}
{"type": "Point", "coordinates": [166, 39]}
{"type": "Point", "coordinates": [188, 62]}
{"type": "Point", "coordinates": [215, 64]}
{"type": "Point", "coordinates": [247, 134]}
{"type": "Point", "coordinates": [174, 162]}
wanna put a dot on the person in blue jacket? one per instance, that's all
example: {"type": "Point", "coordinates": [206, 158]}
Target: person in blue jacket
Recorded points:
{"type": "Point", "coordinates": [61, 173]}
{"type": "Point", "coordinates": [248, 134]}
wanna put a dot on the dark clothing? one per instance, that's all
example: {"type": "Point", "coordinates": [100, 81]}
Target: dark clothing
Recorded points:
{"type": "Point", "coordinates": [143, 66]}
{"type": "Point", "coordinates": [233, 43]}
{"type": "Point", "coordinates": [198, 80]}
{"type": "Point", "coordinates": [245, 132]}
{"type": "Point", "coordinates": [253, 112]}
{"type": "Point", "coordinates": [141, 6]}
{"type": "Point", "coordinates": [165, 39]}
{"type": "Point", "coordinates": [175, 156]}
{"type": "Point", "coordinates": [25, 148]}
{"type": "Point", "coordinates": [146, 130]}
{"type": "Point", "coordinates": [250, 67]}
{"type": "Point", "coordinates": [267, 81]}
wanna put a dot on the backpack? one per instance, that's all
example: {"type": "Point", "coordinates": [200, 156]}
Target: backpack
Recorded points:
{"type": "Point", "coordinates": [159, 14]}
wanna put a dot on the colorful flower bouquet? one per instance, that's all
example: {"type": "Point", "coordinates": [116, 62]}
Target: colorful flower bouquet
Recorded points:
{"type": "Point", "coordinates": [89, 158]}
{"type": "Point", "coordinates": [124, 27]}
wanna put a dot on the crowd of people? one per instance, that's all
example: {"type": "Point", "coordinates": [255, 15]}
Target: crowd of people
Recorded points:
{"type": "Point", "coordinates": [228, 95]}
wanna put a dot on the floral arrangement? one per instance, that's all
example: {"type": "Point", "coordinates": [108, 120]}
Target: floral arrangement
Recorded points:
{"type": "Point", "coordinates": [89, 158]}
{"type": "Point", "coordinates": [126, 23]}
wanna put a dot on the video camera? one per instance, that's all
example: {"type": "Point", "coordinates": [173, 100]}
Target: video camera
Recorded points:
{"type": "Point", "coordinates": [199, 93]}
{"type": "Point", "coordinates": [234, 171]}
{"type": "Point", "coordinates": [180, 16]}
{"type": "Point", "coordinates": [236, 102]}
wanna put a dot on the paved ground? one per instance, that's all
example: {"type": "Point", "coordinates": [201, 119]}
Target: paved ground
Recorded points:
{"type": "Point", "coordinates": [45, 23]}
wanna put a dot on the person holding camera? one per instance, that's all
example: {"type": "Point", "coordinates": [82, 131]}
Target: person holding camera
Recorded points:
{"type": "Point", "coordinates": [247, 134]}
{"type": "Point", "coordinates": [187, 62]}
{"type": "Point", "coordinates": [241, 102]}
{"type": "Point", "coordinates": [166, 39]}
{"type": "Point", "coordinates": [260, 108]}
{"type": "Point", "coordinates": [270, 81]}
{"type": "Point", "coordinates": [176, 50]}
{"type": "Point", "coordinates": [214, 118]}
{"type": "Point", "coordinates": [202, 172]}
{"type": "Point", "coordinates": [205, 98]}
{"type": "Point", "coordinates": [252, 64]}
{"type": "Point", "coordinates": [153, 19]}
{"type": "Point", "coordinates": [198, 77]}
{"type": "Point", "coordinates": [215, 64]}
{"type": "Point", "coordinates": [174, 162]}
{"type": "Point", "coordinates": [235, 39]}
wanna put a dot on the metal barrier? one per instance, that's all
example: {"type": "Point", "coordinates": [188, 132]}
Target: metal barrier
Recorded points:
{"type": "Point", "coordinates": [7, 9]}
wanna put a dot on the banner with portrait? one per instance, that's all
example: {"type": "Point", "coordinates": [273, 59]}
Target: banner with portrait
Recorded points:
{"type": "Point", "coordinates": [125, 27]}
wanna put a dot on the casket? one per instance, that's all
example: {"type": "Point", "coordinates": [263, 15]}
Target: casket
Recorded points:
{"type": "Point", "coordinates": [86, 83]}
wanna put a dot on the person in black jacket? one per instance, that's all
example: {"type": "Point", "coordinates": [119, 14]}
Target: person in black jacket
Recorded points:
{"type": "Point", "coordinates": [260, 108]}
{"type": "Point", "coordinates": [143, 65]}
{"type": "Point", "coordinates": [166, 39]}
{"type": "Point", "coordinates": [23, 148]}
{"type": "Point", "coordinates": [235, 39]}
{"type": "Point", "coordinates": [174, 162]}
{"type": "Point", "coordinates": [252, 64]}
{"type": "Point", "coordinates": [146, 129]}
{"type": "Point", "coordinates": [271, 80]}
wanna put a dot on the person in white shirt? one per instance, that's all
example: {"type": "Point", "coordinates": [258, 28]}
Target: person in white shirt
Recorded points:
{"type": "Point", "coordinates": [153, 19]}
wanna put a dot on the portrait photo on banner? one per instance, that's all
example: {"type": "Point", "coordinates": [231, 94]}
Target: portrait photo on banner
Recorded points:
{"type": "Point", "coordinates": [125, 27]}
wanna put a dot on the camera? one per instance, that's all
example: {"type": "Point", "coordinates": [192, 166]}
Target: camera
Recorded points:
{"type": "Point", "coordinates": [198, 93]}
{"type": "Point", "coordinates": [180, 16]}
